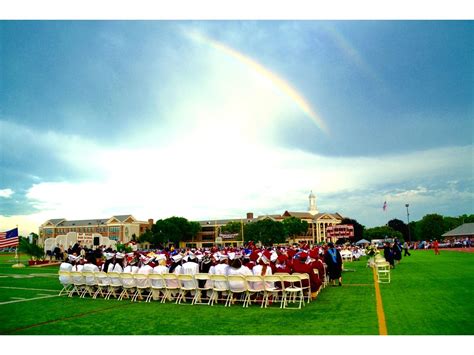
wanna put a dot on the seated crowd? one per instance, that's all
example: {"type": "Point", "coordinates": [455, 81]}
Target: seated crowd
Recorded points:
{"type": "Point", "coordinates": [248, 260]}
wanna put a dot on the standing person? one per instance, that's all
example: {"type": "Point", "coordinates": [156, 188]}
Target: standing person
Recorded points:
{"type": "Point", "coordinates": [76, 248]}
{"type": "Point", "coordinates": [388, 254]}
{"type": "Point", "coordinates": [57, 253]}
{"type": "Point", "coordinates": [436, 247]}
{"type": "Point", "coordinates": [108, 266]}
{"type": "Point", "coordinates": [397, 251]}
{"type": "Point", "coordinates": [405, 248]}
{"type": "Point", "coordinates": [333, 260]}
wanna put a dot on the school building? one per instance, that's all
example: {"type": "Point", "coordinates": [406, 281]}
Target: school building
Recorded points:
{"type": "Point", "coordinates": [319, 225]}
{"type": "Point", "coordinates": [121, 228]}
{"type": "Point", "coordinates": [117, 228]}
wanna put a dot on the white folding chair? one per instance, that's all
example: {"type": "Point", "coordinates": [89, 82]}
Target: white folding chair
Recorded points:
{"type": "Point", "coordinates": [305, 284]}
{"type": "Point", "coordinates": [255, 288]}
{"type": "Point", "coordinates": [128, 286]}
{"type": "Point", "coordinates": [103, 283]}
{"type": "Point", "coordinates": [66, 281]}
{"type": "Point", "coordinates": [187, 285]}
{"type": "Point", "coordinates": [172, 286]}
{"type": "Point", "coordinates": [346, 257]}
{"type": "Point", "coordinates": [237, 287]}
{"type": "Point", "coordinates": [204, 286]}
{"type": "Point", "coordinates": [220, 286]}
{"type": "Point", "coordinates": [273, 287]}
{"type": "Point", "coordinates": [115, 286]}
{"type": "Point", "coordinates": [142, 283]}
{"type": "Point", "coordinates": [158, 287]}
{"type": "Point", "coordinates": [383, 272]}
{"type": "Point", "coordinates": [90, 283]}
{"type": "Point", "coordinates": [78, 282]}
{"type": "Point", "coordinates": [293, 291]}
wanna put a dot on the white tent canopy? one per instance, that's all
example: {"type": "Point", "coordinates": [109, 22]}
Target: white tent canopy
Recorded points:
{"type": "Point", "coordinates": [362, 241]}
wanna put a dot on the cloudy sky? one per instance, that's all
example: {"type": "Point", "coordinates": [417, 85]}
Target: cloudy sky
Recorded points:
{"type": "Point", "coordinates": [213, 119]}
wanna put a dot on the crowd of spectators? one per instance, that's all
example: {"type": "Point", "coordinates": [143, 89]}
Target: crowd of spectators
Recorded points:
{"type": "Point", "coordinates": [446, 243]}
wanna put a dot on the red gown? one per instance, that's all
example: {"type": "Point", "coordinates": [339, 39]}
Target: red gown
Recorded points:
{"type": "Point", "coordinates": [303, 268]}
{"type": "Point", "coordinates": [318, 265]}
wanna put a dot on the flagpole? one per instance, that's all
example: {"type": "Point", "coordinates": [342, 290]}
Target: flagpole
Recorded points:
{"type": "Point", "coordinates": [17, 255]}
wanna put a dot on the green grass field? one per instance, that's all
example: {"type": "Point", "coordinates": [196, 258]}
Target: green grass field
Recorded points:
{"type": "Point", "coordinates": [428, 295]}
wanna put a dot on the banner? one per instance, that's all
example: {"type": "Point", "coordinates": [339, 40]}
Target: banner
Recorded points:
{"type": "Point", "coordinates": [229, 236]}
{"type": "Point", "coordinates": [340, 231]}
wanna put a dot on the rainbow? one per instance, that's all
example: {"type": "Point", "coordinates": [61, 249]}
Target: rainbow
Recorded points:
{"type": "Point", "coordinates": [281, 85]}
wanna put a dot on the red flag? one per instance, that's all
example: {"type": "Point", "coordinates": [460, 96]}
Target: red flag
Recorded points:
{"type": "Point", "coordinates": [384, 206]}
{"type": "Point", "coordinates": [9, 238]}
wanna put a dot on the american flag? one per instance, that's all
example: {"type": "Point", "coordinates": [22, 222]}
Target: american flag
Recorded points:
{"type": "Point", "coordinates": [384, 206]}
{"type": "Point", "coordinates": [9, 238]}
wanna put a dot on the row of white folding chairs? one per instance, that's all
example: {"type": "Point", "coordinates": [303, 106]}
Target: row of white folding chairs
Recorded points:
{"type": "Point", "coordinates": [118, 285]}
{"type": "Point", "coordinates": [182, 287]}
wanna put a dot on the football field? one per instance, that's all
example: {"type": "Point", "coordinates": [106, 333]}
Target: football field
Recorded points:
{"type": "Point", "coordinates": [428, 295]}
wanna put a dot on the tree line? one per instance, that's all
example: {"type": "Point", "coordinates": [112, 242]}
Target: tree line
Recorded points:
{"type": "Point", "coordinates": [430, 227]}
{"type": "Point", "coordinates": [171, 231]}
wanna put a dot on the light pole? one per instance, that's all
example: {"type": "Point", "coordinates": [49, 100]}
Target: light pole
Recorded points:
{"type": "Point", "coordinates": [408, 225]}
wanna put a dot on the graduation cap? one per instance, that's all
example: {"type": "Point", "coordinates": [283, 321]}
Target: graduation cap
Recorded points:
{"type": "Point", "coordinates": [176, 258]}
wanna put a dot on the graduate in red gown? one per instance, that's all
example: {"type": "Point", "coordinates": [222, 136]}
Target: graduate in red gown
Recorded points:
{"type": "Point", "coordinates": [316, 263]}
{"type": "Point", "coordinates": [302, 267]}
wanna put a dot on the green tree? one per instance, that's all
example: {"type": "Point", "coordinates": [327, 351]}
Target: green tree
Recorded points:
{"type": "Point", "coordinates": [400, 226]}
{"type": "Point", "coordinates": [294, 227]}
{"type": "Point", "coordinates": [146, 237]}
{"type": "Point", "coordinates": [31, 249]}
{"type": "Point", "coordinates": [35, 237]}
{"type": "Point", "coordinates": [431, 226]}
{"type": "Point", "coordinates": [266, 231]}
{"type": "Point", "coordinates": [232, 227]}
{"type": "Point", "coordinates": [358, 228]}
{"type": "Point", "coordinates": [414, 231]}
{"type": "Point", "coordinates": [450, 223]}
{"type": "Point", "coordinates": [381, 233]}
{"type": "Point", "coordinates": [173, 230]}
{"type": "Point", "coordinates": [466, 218]}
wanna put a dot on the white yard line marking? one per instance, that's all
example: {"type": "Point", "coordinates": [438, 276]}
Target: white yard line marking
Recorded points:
{"type": "Point", "coordinates": [29, 289]}
{"type": "Point", "coordinates": [26, 276]}
{"type": "Point", "coordinates": [29, 299]}
{"type": "Point", "coordinates": [18, 298]}
{"type": "Point", "coordinates": [22, 277]}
